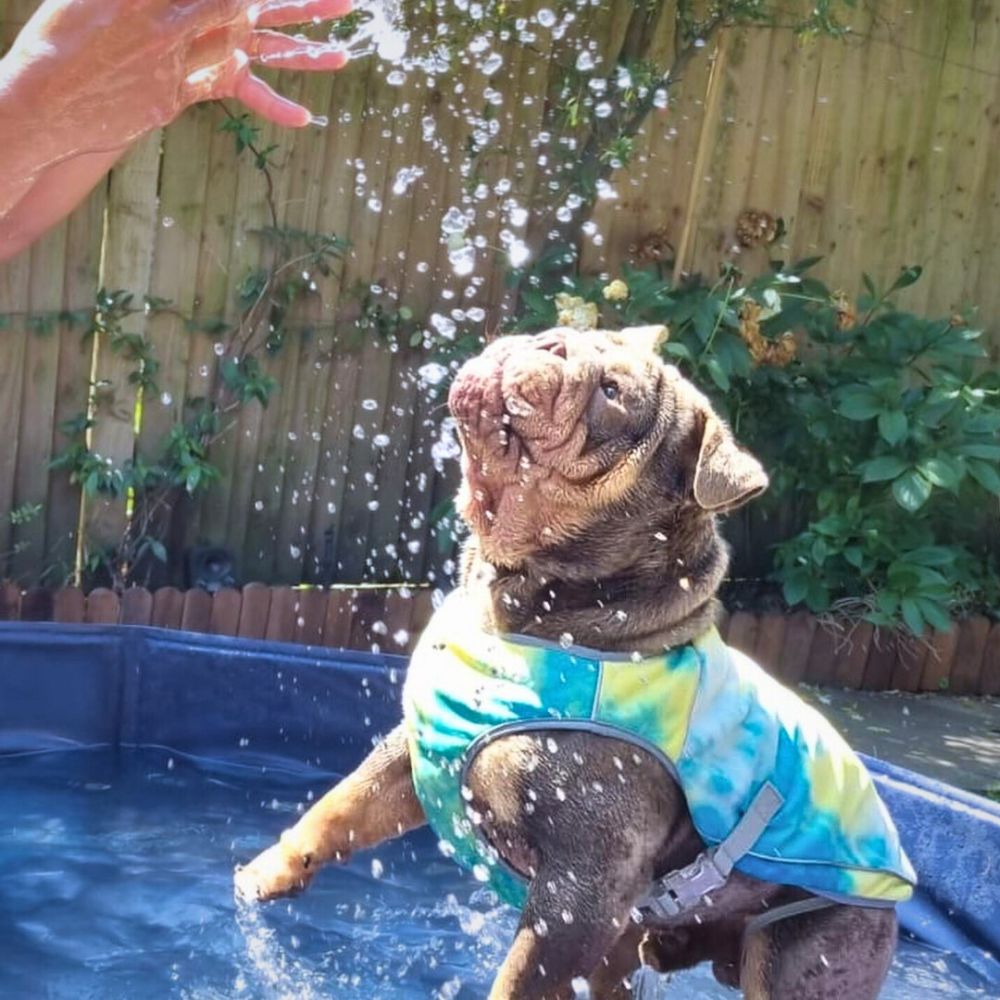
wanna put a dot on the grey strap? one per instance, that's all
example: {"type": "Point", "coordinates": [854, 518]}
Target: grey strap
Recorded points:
{"type": "Point", "coordinates": [681, 889]}
{"type": "Point", "coordinates": [788, 910]}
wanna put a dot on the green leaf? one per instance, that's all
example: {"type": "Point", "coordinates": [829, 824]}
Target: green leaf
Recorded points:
{"type": "Point", "coordinates": [892, 425]}
{"type": "Point", "coordinates": [908, 276]}
{"type": "Point", "coordinates": [878, 470]}
{"type": "Point", "coordinates": [912, 616]}
{"type": "Point", "coordinates": [794, 588]}
{"type": "Point", "coordinates": [941, 471]}
{"type": "Point", "coordinates": [717, 374]}
{"type": "Point", "coordinates": [991, 452]}
{"type": "Point", "coordinates": [869, 286]}
{"type": "Point", "coordinates": [935, 614]}
{"type": "Point", "coordinates": [931, 555]}
{"type": "Point", "coordinates": [887, 602]}
{"type": "Point", "coordinates": [678, 350]}
{"type": "Point", "coordinates": [854, 556]}
{"type": "Point", "coordinates": [860, 403]}
{"type": "Point", "coordinates": [985, 474]}
{"type": "Point", "coordinates": [911, 490]}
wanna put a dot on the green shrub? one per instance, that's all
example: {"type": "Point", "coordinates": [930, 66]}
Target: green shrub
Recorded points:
{"type": "Point", "coordinates": [879, 426]}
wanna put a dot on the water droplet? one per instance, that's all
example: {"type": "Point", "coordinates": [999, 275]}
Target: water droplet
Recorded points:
{"type": "Point", "coordinates": [359, 432]}
{"type": "Point", "coordinates": [166, 399]}
{"type": "Point", "coordinates": [566, 640]}
{"type": "Point", "coordinates": [378, 869]}
{"type": "Point", "coordinates": [445, 327]}
{"type": "Point", "coordinates": [546, 18]}
{"type": "Point", "coordinates": [585, 62]}
{"type": "Point", "coordinates": [405, 179]}
{"type": "Point", "coordinates": [381, 440]}
{"type": "Point", "coordinates": [396, 78]}
{"type": "Point", "coordinates": [491, 63]}
{"type": "Point", "coordinates": [169, 222]}
{"type": "Point", "coordinates": [518, 253]}
{"type": "Point", "coordinates": [567, 917]}
{"type": "Point", "coordinates": [432, 373]}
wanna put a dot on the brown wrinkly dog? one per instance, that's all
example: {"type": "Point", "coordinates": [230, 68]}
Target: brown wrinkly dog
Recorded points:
{"type": "Point", "coordinates": [592, 477]}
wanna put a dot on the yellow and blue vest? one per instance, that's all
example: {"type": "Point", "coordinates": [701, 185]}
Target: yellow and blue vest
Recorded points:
{"type": "Point", "coordinates": [719, 724]}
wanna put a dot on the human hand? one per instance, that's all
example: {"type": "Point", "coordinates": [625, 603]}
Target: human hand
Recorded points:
{"type": "Point", "coordinates": [96, 74]}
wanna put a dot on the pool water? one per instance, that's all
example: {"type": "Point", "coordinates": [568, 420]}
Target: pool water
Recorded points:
{"type": "Point", "coordinates": [115, 882]}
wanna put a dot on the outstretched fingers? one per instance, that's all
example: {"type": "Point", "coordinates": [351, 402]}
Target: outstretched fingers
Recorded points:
{"type": "Point", "coordinates": [271, 48]}
{"type": "Point", "coordinates": [280, 13]}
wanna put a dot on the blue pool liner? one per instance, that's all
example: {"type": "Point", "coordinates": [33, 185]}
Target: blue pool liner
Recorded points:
{"type": "Point", "coordinates": [263, 704]}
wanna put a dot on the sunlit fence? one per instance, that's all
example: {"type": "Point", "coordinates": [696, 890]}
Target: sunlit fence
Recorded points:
{"type": "Point", "coordinates": [873, 151]}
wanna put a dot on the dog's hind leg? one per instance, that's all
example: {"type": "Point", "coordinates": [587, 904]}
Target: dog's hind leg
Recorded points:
{"type": "Point", "coordinates": [568, 925]}
{"type": "Point", "coordinates": [831, 954]}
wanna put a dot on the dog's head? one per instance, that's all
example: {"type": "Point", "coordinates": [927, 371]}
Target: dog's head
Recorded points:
{"type": "Point", "coordinates": [563, 429]}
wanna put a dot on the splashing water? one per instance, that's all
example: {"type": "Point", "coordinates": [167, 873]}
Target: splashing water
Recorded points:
{"type": "Point", "coordinates": [380, 33]}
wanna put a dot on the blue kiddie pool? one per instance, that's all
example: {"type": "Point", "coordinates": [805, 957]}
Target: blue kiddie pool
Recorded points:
{"type": "Point", "coordinates": [138, 766]}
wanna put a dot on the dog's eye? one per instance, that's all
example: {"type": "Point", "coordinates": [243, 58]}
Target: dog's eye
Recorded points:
{"type": "Point", "coordinates": [610, 390]}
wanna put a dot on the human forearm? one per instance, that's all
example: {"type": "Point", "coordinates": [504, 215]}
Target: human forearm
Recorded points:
{"type": "Point", "coordinates": [54, 194]}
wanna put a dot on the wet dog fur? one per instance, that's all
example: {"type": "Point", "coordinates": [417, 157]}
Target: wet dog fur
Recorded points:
{"type": "Point", "coordinates": [593, 475]}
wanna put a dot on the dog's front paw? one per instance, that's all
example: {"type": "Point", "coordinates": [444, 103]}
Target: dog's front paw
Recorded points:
{"type": "Point", "coordinates": [275, 872]}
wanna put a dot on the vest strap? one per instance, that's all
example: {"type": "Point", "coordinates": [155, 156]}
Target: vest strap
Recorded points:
{"type": "Point", "coordinates": [681, 889]}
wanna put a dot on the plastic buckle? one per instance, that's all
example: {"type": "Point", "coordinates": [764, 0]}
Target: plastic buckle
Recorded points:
{"type": "Point", "coordinates": [678, 890]}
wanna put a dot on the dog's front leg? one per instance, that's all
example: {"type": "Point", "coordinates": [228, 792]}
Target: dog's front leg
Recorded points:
{"type": "Point", "coordinates": [372, 804]}
{"type": "Point", "coordinates": [567, 928]}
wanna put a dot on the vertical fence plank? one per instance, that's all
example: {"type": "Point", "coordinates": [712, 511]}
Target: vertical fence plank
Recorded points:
{"type": "Point", "coordinates": [137, 606]}
{"type": "Point", "coordinates": [40, 374]}
{"type": "Point", "coordinates": [881, 658]}
{"type": "Point", "coordinates": [226, 607]}
{"type": "Point", "coordinates": [743, 628]}
{"type": "Point", "coordinates": [37, 605]}
{"type": "Point", "coordinates": [168, 607]}
{"type": "Point", "coordinates": [85, 234]}
{"type": "Point", "coordinates": [102, 607]}
{"type": "Point", "coordinates": [69, 605]}
{"type": "Point", "coordinates": [339, 616]}
{"type": "Point", "coordinates": [852, 661]}
{"type": "Point", "coordinates": [770, 642]}
{"type": "Point", "coordinates": [799, 632]}
{"type": "Point", "coordinates": [128, 254]}
{"type": "Point", "coordinates": [969, 650]}
{"type": "Point", "coordinates": [281, 619]}
{"type": "Point", "coordinates": [311, 616]}
{"type": "Point", "coordinates": [255, 611]}
{"type": "Point", "coordinates": [990, 680]}
{"type": "Point", "coordinates": [196, 615]}
{"type": "Point", "coordinates": [937, 663]}
{"type": "Point", "coordinates": [828, 639]}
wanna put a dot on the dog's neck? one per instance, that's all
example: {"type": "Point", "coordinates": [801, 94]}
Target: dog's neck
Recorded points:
{"type": "Point", "coordinates": [616, 588]}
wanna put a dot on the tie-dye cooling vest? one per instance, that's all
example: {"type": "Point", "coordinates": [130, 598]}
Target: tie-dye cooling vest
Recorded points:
{"type": "Point", "coordinates": [714, 718]}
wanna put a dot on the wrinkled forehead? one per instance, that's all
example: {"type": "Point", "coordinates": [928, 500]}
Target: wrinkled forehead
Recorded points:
{"type": "Point", "coordinates": [605, 349]}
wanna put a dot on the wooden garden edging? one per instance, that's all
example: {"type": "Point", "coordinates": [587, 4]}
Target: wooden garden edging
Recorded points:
{"type": "Point", "coordinates": [797, 647]}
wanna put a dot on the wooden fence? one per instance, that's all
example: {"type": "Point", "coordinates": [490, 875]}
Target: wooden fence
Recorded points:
{"type": "Point", "coordinates": [877, 151]}
{"type": "Point", "coordinates": [797, 648]}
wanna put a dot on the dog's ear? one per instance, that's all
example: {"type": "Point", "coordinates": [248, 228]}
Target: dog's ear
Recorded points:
{"type": "Point", "coordinates": [645, 338]}
{"type": "Point", "coordinates": [725, 476]}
